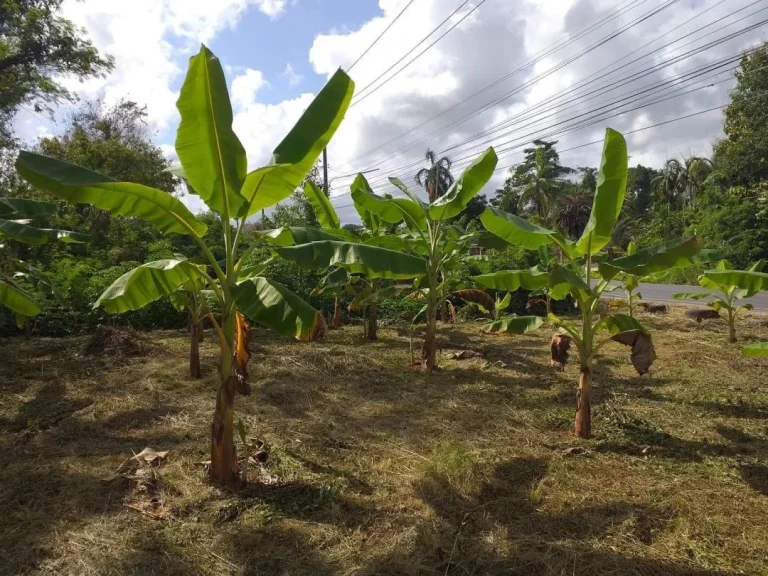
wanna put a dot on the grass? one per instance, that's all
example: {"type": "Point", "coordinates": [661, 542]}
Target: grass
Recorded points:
{"type": "Point", "coordinates": [376, 468]}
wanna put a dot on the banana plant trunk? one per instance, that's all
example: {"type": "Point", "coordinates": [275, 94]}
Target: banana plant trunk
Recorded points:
{"type": "Point", "coordinates": [444, 312]}
{"type": "Point", "coordinates": [583, 426]}
{"type": "Point", "coordinates": [223, 456]}
{"type": "Point", "coordinates": [373, 322]}
{"type": "Point", "coordinates": [731, 325]}
{"type": "Point", "coordinates": [429, 350]}
{"type": "Point", "coordinates": [336, 314]}
{"type": "Point", "coordinates": [195, 337]}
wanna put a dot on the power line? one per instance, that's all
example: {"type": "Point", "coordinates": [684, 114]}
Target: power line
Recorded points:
{"type": "Point", "coordinates": [593, 142]}
{"type": "Point", "coordinates": [528, 113]}
{"type": "Point", "coordinates": [361, 97]}
{"type": "Point", "coordinates": [379, 36]}
{"type": "Point", "coordinates": [543, 53]}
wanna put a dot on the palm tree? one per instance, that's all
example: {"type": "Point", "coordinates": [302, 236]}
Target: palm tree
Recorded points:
{"type": "Point", "coordinates": [540, 185]}
{"type": "Point", "coordinates": [681, 182]}
{"type": "Point", "coordinates": [437, 178]}
{"type": "Point", "coordinates": [574, 213]}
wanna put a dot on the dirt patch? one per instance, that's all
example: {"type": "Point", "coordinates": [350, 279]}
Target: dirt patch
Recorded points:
{"type": "Point", "coordinates": [119, 342]}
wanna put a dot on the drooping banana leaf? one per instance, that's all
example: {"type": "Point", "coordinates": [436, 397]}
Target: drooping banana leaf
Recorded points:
{"type": "Point", "coordinates": [750, 282]}
{"type": "Point", "coordinates": [272, 305]}
{"type": "Point", "coordinates": [519, 232]}
{"type": "Point", "coordinates": [515, 324]}
{"type": "Point", "coordinates": [79, 185]}
{"type": "Point", "coordinates": [372, 261]}
{"type": "Point", "coordinates": [511, 280]}
{"type": "Point", "coordinates": [17, 300]}
{"type": "Point", "coordinates": [294, 235]}
{"type": "Point", "coordinates": [147, 283]}
{"type": "Point", "coordinates": [324, 211]}
{"type": "Point", "coordinates": [658, 258]}
{"type": "Point", "coordinates": [23, 208]}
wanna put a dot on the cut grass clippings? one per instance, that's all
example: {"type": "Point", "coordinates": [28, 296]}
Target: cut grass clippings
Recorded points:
{"type": "Point", "coordinates": [375, 468]}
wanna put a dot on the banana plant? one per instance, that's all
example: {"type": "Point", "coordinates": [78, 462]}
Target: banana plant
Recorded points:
{"type": "Point", "coordinates": [630, 283]}
{"type": "Point", "coordinates": [214, 165]}
{"type": "Point", "coordinates": [577, 276]}
{"type": "Point", "coordinates": [197, 302]}
{"type": "Point", "coordinates": [727, 287]}
{"type": "Point", "coordinates": [495, 307]}
{"type": "Point", "coordinates": [16, 216]}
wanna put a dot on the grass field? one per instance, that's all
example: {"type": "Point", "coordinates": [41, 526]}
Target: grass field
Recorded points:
{"type": "Point", "coordinates": [376, 468]}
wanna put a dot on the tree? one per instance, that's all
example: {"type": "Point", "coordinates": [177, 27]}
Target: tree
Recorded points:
{"type": "Point", "coordinates": [538, 180]}
{"type": "Point", "coordinates": [742, 156]}
{"type": "Point", "coordinates": [436, 178]}
{"type": "Point", "coordinates": [37, 48]}
{"type": "Point", "coordinates": [727, 287]}
{"type": "Point", "coordinates": [576, 276]}
{"type": "Point", "coordinates": [574, 213]}
{"type": "Point", "coordinates": [214, 165]}
{"type": "Point", "coordinates": [680, 183]}
{"type": "Point", "coordinates": [639, 190]}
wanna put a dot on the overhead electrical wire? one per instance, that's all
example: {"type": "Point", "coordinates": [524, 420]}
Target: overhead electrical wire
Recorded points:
{"type": "Point", "coordinates": [395, 19]}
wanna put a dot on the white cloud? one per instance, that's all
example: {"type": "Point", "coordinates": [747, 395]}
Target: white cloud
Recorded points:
{"type": "Point", "coordinates": [291, 75]}
{"type": "Point", "coordinates": [245, 86]}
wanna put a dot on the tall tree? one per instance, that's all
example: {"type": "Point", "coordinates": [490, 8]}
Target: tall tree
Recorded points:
{"type": "Point", "coordinates": [37, 48]}
{"type": "Point", "coordinates": [538, 180]}
{"type": "Point", "coordinates": [680, 182]}
{"type": "Point", "coordinates": [435, 178]}
{"type": "Point", "coordinates": [742, 156]}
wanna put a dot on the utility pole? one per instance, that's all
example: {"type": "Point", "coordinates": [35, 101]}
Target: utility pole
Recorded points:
{"type": "Point", "coordinates": [325, 173]}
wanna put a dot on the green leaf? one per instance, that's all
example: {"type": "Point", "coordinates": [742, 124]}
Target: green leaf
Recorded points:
{"type": "Point", "coordinates": [408, 192]}
{"type": "Point", "coordinates": [334, 280]}
{"type": "Point", "coordinates": [391, 210]}
{"type": "Point", "coordinates": [750, 282]}
{"type": "Point", "coordinates": [17, 300]}
{"type": "Point", "coordinates": [296, 154]}
{"type": "Point", "coordinates": [322, 206]}
{"type": "Point", "coordinates": [511, 280]}
{"type": "Point", "coordinates": [609, 195]}
{"type": "Point", "coordinates": [210, 152]}
{"type": "Point", "coordinates": [272, 305]}
{"type": "Point", "coordinates": [617, 323]}
{"type": "Point", "coordinates": [372, 261]}
{"type": "Point", "coordinates": [294, 235]}
{"type": "Point", "coordinates": [515, 324]}
{"type": "Point", "coordinates": [518, 232]}
{"type": "Point", "coordinates": [179, 300]}
{"type": "Point", "coordinates": [560, 275]}
{"type": "Point", "coordinates": [691, 295]}
{"type": "Point", "coordinates": [465, 187]}
{"type": "Point", "coordinates": [757, 350]}
{"type": "Point", "coordinates": [147, 283]}
{"type": "Point", "coordinates": [23, 208]}
{"type": "Point", "coordinates": [658, 258]}
{"type": "Point", "coordinates": [78, 185]}
{"type": "Point", "coordinates": [23, 233]}
{"type": "Point", "coordinates": [66, 236]}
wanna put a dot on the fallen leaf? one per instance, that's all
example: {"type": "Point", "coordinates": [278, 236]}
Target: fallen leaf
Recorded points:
{"type": "Point", "coordinates": [148, 457]}
{"type": "Point", "coordinates": [466, 354]}
{"type": "Point", "coordinates": [643, 353]}
{"type": "Point", "coordinates": [575, 451]}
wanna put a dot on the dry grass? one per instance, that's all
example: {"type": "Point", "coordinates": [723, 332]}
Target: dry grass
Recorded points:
{"type": "Point", "coordinates": [379, 469]}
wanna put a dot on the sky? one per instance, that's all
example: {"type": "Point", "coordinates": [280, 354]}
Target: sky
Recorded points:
{"type": "Point", "coordinates": [504, 73]}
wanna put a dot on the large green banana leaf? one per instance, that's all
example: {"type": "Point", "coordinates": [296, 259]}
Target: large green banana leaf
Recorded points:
{"type": "Point", "coordinates": [296, 154]}
{"type": "Point", "coordinates": [408, 192]}
{"type": "Point", "coordinates": [23, 208]}
{"type": "Point", "coordinates": [617, 323]}
{"type": "Point", "coordinates": [294, 235]}
{"type": "Point", "coordinates": [391, 210]}
{"type": "Point", "coordinates": [511, 280]}
{"type": "Point", "coordinates": [17, 300]}
{"type": "Point", "coordinates": [757, 350]}
{"type": "Point", "coordinates": [147, 283]}
{"type": "Point", "coordinates": [79, 185]}
{"type": "Point", "coordinates": [372, 261]}
{"type": "Point", "coordinates": [335, 279]}
{"type": "Point", "coordinates": [664, 256]}
{"type": "Point", "coordinates": [515, 324]}
{"type": "Point", "coordinates": [210, 152]}
{"type": "Point", "coordinates": [17, 230]}
{"type": "Point", "coordinates": [326, 214]}
{"type": "Point", "coordinates": [750, 282]}
{"type": "Point", "coordinates": [691, 295]}
{"type": "Point", "coordinates": [519, 232]}
{"type": "Point", "coordinates": [609, 195]}
{"type": "Point", "coordinates": [272, 305]}
{"type": "Point", "coordinates": [465, 187]}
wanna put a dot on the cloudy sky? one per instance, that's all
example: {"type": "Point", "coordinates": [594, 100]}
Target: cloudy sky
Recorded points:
{"type": "Point", "coordinates": [504, 73]}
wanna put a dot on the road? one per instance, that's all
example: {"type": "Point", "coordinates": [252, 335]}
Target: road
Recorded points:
{"type": "Point", "coordinates": [663, 293]}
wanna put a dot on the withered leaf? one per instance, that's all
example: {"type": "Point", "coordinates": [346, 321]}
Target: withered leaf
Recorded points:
{"type": "Point", "coordinates": [242, 354]}
{"type": "Point", "coordinates": [643, 353]}
{"type": "Point", "coordinates": [559, 347]}
{"type": "Point", "coordinates": [476, 296]}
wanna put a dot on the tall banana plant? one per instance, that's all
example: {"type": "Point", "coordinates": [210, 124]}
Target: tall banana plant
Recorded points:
{"type": "Point", "coordinates": [214, 165]}
{"type": "Point", "coordinates": [428, 251]}
{"type": "Point", "coordinates": [16, 217]}
{"type": "Point", "coordinates": [727, 287]}
{"type": "Point", "coordinates": [197, 302]}
{"type": "Point", "coordinates": [578, 276]}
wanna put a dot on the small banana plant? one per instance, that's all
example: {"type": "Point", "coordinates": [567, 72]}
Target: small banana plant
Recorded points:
{"type": "Point", "coordinates": [726, 288]}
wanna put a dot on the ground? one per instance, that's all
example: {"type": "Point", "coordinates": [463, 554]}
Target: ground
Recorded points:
{"type": "Point", "coordinates": [376, 468]}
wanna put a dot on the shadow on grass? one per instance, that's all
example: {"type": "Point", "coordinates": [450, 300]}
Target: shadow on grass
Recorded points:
{"type": "Point", "coordinates": [463, 537]}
